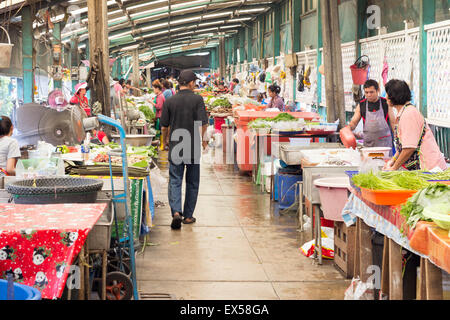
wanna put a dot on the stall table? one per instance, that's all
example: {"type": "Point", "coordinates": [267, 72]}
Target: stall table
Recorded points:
{"type": "Point", "coordinates": [38, 243]}
{"type": "Point", "coordinates": [426, 240]}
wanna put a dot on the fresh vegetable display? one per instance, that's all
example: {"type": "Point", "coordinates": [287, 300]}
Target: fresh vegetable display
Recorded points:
{"type": "Point", "coordinates": [221, 102]}
{"type": "Point", "coordinates": [136, 156]}
{"type": "Point", "coordinates": [147, 111]}
{"type": "Point", "coordinates": [435, 194]}
{"type": "Point", "coordinates": [398, 180]}
{"type": "Point", "coordinates": [282, 117]}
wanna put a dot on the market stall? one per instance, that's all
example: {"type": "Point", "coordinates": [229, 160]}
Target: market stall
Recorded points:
{"type": "Point", "coordinates": [394, 204]}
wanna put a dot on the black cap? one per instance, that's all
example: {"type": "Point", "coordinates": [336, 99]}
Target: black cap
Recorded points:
{"type": "Point", "coordinates": [187, 76]}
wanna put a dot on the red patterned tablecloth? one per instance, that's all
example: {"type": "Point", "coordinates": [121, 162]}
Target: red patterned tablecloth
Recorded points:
{"type": "Point", "coordinates": [38, 243]}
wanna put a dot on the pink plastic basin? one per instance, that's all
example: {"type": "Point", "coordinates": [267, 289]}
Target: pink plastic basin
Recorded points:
{"type": "Point", "coordinates": [333, 196]}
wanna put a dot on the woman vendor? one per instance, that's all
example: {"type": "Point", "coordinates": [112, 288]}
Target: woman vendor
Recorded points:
{"type": "Point", "coordinates": [80, 98]}
{"type": "Point", "coordinates": [276, 101]}
{"type": "Point", "coordinates": [9, 148]}
{"type": "Point", "coordinates": [158, 105]}
{"type": "Point", "coordinates": [416, 145]}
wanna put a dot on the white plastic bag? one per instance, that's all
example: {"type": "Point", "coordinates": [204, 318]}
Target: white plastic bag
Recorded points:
{"type": "Point", "coordinates": [158, 183]}
{"type": "Point", "coordinates": [359, 290]}
{"type": "Point", "coordinates": [327, 245]}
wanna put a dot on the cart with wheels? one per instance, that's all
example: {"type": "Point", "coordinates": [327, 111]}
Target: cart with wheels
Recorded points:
{"type": "Point", "coordinates": [121, 284]}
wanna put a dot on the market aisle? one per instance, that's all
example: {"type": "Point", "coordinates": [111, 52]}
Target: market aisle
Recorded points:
{"type": "Point", "coordinates": [240, 248]}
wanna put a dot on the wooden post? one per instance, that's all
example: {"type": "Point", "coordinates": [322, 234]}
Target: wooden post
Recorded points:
{"type": "Point", "coordinates": [99, 53]}
{"type": "Point", "coordinates": [430, 284]}
{"type": "Point", "coordinates": [395, 271]}
{"type": "Point", "coordinates": [27, 55]}
{"type": "Point", "coordinates": [385, 268]}
{"type": "Point", "coordinates": [338, 74]}
{"type": "Point", "coordinates": [136, 71]}
{"type": "Point", "coordinates": [365, 251]}
{"type": "Point", "coordinates": [319, 53]}
{"type": "Point", "coordinates": [356, 260]}
{"type": "Point", "coordinates": [75, 59]}
{"type": "Point", "coordinates": [222, 57]}
{"type": "Point", "coordinates": [149, 77]}
{"type": "Point", "coordinates": [57, 84]}
{"type": "Point", "coordinates": [328, 60]}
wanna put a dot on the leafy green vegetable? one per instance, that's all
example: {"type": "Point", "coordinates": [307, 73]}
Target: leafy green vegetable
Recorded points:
{"type": "Point", "coordinates": [282, 117]}
{"type": "Point", "coordinates": [141, 164]}
{"type": "Point", "coordinates": [373, 182]}
{"type": "Point", "coordinates": [434, 194]}
{"type": "Point", "coordinates": [222, 102]}
{"type": "Point", "coordinates": [148, 112]}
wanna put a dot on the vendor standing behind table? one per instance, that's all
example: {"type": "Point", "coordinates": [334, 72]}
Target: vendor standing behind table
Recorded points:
{"type": "Point", "coordinates": [416, 146]}
{"type": "Point", "coordinates": [80, 98]}
{"type": "Point", "coordinates": [276, 101]}
{"type": "Point", "coordinates": [99, 137]}
{"type": "Point", "coordinates": [378, 118]}
{"type": "Point", "coordinates": [158, 104]}
{"type": "Point", "coordinates": [9, 148]}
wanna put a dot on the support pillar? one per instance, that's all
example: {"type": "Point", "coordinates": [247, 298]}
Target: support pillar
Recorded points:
{"type": "Point", "coordinates": [319, 53]}
{"type": "Point", "coordinates": [57, 84]}
{"type": "Point", "coordinates": [75, 58]}
{"type": "Point", "coordinates": [27, 55]}
{"type": "Point", "coordinates": [136, 71]}
{"type": "Point", "coordinates": [249, 43]}
{"type": "Point", "coordinates": [99, 53]}
{"type": "Point", "coordinates": [427, 16]}
{"type": "Point", "coordinates": [276, 32]}
{"type": "Point", "coordinates": [332, 52]}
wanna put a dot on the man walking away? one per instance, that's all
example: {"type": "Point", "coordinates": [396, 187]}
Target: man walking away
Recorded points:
{"type": "Point", "coordinates": [182, 119]}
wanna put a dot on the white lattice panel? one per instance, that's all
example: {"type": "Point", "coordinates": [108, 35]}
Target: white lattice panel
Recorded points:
{"type": "Point", "coordinates": [348, 58]}
{"type": "Point", "coordinates": [309, 95]}
{"type": "Point", "coordinates": [374, 50]}
{"type": "Point", "coordinates": [438, 64]}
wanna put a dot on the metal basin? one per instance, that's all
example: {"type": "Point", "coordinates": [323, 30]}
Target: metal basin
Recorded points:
{"type": "Point", "coordinates": [136, 140]}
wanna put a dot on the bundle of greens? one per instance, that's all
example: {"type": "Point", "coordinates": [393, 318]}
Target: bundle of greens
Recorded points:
{"type": "Point", "coordinates": [147, 111]}
{"type": "Point", "coordinates": [259, 124]}
{"type": "Point", "coordinates": [374, 182]}
{"type": "Point", "coordinates": [435, 194]}
{"type": "Point", "coordinates": [221, 102]}
{"type": "Point", "coordinates": [282, 117]}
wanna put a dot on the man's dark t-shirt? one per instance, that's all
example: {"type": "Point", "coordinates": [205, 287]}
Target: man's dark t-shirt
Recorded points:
{"type": "Point", "coordinates": [184, 113]}
{"type": "Point", "coordinates": [373, 107]}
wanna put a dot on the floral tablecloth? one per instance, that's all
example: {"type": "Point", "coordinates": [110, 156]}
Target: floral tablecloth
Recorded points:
{"type": "Point", "coordinates": [39, 242]}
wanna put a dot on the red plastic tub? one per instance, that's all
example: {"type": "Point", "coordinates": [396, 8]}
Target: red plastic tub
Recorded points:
{"type": "Point", "coordinates": [218, 122]}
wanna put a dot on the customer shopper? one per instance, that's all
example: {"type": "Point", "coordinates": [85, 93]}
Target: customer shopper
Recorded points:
{"type": "Point", "coordinates": [167, 89]}
{"type": "Point", "coordinates": [182, 117]}
{"type": "Point", "coordinates": [416, 146]}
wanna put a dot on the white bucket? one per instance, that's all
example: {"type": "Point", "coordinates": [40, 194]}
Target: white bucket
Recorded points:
{"type": "Point", "coordinates": [5, 51]}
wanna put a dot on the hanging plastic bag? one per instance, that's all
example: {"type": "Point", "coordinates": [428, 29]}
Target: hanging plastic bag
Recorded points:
{"type": "Point", "coordinates": [158, 183]}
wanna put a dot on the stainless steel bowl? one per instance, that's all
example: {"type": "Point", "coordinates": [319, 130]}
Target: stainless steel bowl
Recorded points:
{"type": "Point", "coordinates": [136, 140]}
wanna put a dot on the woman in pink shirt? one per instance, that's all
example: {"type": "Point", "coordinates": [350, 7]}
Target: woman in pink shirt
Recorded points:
{"type": "Point", "coordinates": [416, 146]}
{"type": "Point", "coordinates": [158, 104]}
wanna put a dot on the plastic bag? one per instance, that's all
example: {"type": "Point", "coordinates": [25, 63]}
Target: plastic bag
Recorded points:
{"type": "Point", "coordinates": [359, 290]}
{"type": "Point", "coordinates": [327, 245]}
{"type": "Point", "coordinates": [158, 183]}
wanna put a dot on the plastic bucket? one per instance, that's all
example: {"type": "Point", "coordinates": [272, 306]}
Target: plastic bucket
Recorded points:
{"type": "Point", "coordinates": [5, 52]}
{"type": "Point", "coordinates": [359, 75]}
{"type": "Point", "coordinates": [21, 292]}
{"type": "Point", "coordinates": [333, 196]}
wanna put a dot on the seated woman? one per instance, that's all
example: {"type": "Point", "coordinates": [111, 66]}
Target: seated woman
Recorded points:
{"type": "Point", "coordinates": [9, 148]}
{"type": "Point", "coordinates": [276, 101]}
{"type": "Point", "coordinates": [416, 146]}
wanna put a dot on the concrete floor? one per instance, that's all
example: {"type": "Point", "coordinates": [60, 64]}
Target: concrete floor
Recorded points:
{"type": "Point", "coordinates": [241, 248]}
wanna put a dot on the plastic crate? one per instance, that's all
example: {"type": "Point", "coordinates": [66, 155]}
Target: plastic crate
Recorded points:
{"type": "Point", "coordinates": [344, 247]}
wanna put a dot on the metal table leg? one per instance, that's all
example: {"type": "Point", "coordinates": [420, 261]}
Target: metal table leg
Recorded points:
{"type": "Point", "coordinates": [300, 206]}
